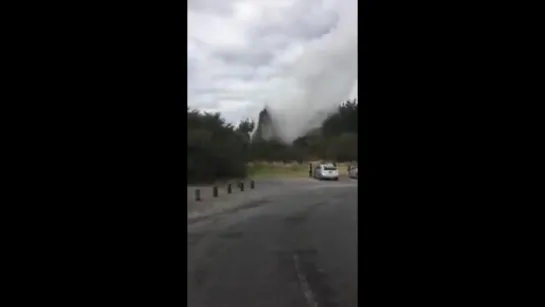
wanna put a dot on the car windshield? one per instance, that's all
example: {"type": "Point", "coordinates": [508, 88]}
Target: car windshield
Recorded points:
{"type": "Point", "coordinates": [329, 168]}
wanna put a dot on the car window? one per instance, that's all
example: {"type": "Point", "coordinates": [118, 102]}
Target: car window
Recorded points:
{"type": "Point", "coordinates": [330, 168]}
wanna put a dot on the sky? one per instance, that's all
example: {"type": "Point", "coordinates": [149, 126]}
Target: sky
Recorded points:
{"type": "Point", "coordinates": [297, 57]}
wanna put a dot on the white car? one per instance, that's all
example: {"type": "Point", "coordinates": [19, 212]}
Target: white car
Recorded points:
{"type": "Point", "coordinates": [326, 171]}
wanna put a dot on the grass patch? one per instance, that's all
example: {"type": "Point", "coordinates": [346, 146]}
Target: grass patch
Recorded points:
{"type": "Point", "coordinates": [286, 170]}
{"type": "Point", "coordinates": [262, 170]}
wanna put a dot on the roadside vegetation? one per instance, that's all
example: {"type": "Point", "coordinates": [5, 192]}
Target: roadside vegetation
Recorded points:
{"type": "Point", "coordinates": [217, 150]}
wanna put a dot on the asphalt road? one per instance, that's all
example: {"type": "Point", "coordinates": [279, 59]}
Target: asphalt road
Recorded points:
{"type": "Point", "coordinates": [297, 248]}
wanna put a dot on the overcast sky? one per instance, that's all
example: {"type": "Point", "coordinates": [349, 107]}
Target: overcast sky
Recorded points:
{"type": "Point", "coordinates": [298, 57]}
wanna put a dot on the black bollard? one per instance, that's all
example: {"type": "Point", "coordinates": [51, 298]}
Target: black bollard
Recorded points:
{"type": "Point", "coordinates": [252, 185]}
{"type": "Point", "coordinates": [215, 191]}
{"type": "Point", "coordinates": [229, 188]}
{"type": "Point", "coordinates": [242, 185]}
{"type": "Point", "coordinates": [198, 195]}
{"type": "Point", "coordinates": [310, 169]}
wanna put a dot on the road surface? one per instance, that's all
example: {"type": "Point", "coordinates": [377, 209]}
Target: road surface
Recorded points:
{"type": "Point", "coordinates": [295, 248]}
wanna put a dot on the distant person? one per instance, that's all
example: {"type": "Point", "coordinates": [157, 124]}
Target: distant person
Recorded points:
{"type": "Point", "coordinates": [310, 169]}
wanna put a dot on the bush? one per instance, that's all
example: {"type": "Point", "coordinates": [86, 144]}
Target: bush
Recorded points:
{"type": "Point", "coordinates": [215, 150]}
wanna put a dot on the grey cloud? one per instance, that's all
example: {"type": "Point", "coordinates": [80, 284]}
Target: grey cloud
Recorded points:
{"type": "Point", "coordinates": [249, 56]}
{"type": "Point", "coordinates": [308, 27]}
{"type": "Point", "coordinates": [211, 6]}
{"type": "Point", "coordinates": [241, 74]}
{"type": "Point", "coordinates": [304, 20]}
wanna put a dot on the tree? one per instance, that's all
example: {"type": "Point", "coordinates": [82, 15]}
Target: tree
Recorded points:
{"type": "Point", "coordinates": [215, 150]}
{"type": "Point", "coordinates": [245, 128]}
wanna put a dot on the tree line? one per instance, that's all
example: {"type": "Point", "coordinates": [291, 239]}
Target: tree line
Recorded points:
{"type": "Point", "coordinates": [219, 150]}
